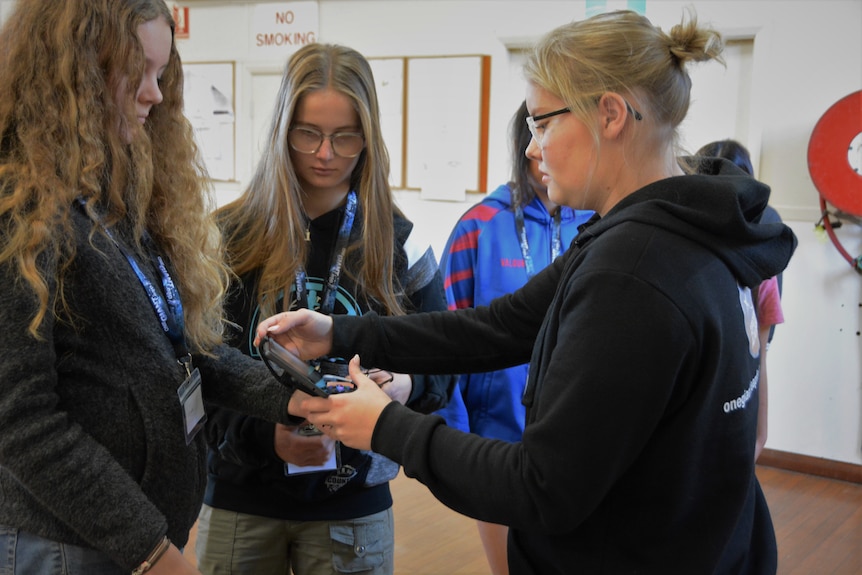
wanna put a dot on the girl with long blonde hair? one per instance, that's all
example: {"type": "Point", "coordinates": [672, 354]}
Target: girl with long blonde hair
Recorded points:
{"type": "Point", "coordinates": [316, 228]}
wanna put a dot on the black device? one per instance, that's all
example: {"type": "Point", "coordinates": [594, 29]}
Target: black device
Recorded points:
{"type": "Point", "coordinates": [292, 371]}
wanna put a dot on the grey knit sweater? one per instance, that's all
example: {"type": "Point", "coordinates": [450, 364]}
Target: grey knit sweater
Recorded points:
{"type": "Point", "coordinates": [92, 448]}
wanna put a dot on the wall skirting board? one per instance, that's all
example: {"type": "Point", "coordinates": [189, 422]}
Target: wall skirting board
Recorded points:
{"type": "Point", "coordinates": [811, 465]}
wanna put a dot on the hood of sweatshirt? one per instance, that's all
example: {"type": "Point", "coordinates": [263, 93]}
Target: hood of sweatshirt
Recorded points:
{"type": "Point", "coordinates": [719, 207]}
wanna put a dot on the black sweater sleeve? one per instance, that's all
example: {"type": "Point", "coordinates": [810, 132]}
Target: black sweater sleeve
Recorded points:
{"type": "Point", "coordinates": [430, 392]}
{"type": "Point", "coordinates": [244, 432]}
{"type": "Point", "coordinates": [469, 340]}
{"type": "Point", "coordinates": [572, 450]}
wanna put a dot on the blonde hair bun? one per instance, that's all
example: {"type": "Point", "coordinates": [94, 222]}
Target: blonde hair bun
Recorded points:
{"type": "Point", "coordinates": [687, 41]}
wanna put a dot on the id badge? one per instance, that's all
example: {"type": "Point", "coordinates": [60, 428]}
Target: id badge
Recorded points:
{"type": "Point", "coordinates": [192, 402]}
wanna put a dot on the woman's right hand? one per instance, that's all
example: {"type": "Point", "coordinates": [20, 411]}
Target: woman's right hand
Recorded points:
{"type": "Point", "coordinates": [350, 417]}
{"type": "Point", "coordinates": [303, 448]}
{"type": "Point", "coordinates": [305, 333]}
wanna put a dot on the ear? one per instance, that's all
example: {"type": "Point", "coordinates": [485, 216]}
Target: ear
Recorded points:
{"type": "Point", "coordinates": [612, 114]}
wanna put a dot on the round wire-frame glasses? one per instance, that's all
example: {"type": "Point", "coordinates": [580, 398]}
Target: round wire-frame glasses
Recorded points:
{"type": "Point", "coordinates": [308, 141]}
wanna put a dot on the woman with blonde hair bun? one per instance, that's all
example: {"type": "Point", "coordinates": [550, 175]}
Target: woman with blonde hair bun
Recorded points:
{"type": "Point", "coordinates": [638, 450]}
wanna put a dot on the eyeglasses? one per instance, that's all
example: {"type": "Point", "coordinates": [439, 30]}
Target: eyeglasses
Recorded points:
{"type": "Point", "coordinates": [539, 131]}
{"type": "Point", "coordinates": [387, 376]}
{"type": "Point", "coordinates": [309, 140]}
{"type": "Point", "coordinates": [635, 114]}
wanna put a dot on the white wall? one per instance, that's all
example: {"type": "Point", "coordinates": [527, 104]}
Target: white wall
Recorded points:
{"type": "Point", "coordinates": [5, 8]}
{"type": "Point", "coordinates": [807, 54]}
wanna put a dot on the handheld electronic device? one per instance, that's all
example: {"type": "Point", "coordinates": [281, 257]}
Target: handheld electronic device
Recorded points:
{"type": "Point", "coordinates": [292, 371]}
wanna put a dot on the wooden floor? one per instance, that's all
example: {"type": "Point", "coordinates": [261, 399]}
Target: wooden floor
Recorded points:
{"type": "Point", "coordinates": [818, 523]}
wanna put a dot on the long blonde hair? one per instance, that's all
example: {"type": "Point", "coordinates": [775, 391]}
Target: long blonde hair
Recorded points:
{"type": "Point", "coordinates": [60, 139]}
{"type": "Point", "coordinates": [623, 52]}
{"type": "Point", "coordinates": [265, 227]}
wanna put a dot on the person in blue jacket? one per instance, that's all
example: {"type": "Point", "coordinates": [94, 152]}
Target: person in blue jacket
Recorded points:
{"type": "Point", "coordinates": [496, 246]}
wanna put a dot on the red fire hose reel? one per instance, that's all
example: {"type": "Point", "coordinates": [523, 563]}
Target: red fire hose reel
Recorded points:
{"type": "Point", "coordinates": [835, 165]}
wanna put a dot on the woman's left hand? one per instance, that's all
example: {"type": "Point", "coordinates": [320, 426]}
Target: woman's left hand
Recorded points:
{"type": "Point", "coordinates": [350, 417]}
{"type": "Point", "coordinates": [398, 386]}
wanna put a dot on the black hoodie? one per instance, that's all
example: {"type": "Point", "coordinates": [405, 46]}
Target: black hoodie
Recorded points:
{"type": "Point", "coordinates": [638, 454]}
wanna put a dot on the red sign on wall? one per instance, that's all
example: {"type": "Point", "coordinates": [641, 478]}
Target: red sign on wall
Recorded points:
{"type": "Point", "coordinates": [181, 19]}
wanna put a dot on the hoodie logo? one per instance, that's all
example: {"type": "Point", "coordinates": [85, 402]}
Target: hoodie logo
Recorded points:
{"type": "Point", "coordinates": [345, 304]}
{"type": "Point", "coordinates": [749, 316]}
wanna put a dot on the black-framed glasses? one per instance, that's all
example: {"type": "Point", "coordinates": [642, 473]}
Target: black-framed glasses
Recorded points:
{"type": "Point", "coordinates": [308, 141]}
{"type": "Point", "coordinates": [635, 114]}
{"type": "Point", "coordinates": [534, 129]}
{"type": "Point", "coordinates": [537, 136]}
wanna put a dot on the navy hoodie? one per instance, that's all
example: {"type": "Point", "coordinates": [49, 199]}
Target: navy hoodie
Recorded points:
{"type": "Point", "coordinates": [244, 472]}
{"type": "Point", "coordinates": [638, 452]}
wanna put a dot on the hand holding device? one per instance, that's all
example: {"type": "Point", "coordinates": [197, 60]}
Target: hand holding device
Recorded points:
{"type": "Point", "coordinates": [350, 419]}
{"type": "Point", "coordinates": [304, 332]}
{"type": "Point", "coordinates": [292, 371]}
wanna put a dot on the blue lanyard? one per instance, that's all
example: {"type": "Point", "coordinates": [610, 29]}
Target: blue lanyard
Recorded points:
{"type": "Point", "coordinates": [556, 242]}
{"type": "Point", "coordinates": [327, 303]}
{"type": "Point", "coordinates": [168, 308]}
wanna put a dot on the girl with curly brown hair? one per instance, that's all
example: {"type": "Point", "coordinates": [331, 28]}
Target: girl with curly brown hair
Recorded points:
{"type": "Point", "coordinates": [113, 282]}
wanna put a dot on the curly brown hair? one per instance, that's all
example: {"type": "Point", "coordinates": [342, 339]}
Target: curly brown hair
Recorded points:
{"type": "Point", "coordinates": [62, 66]}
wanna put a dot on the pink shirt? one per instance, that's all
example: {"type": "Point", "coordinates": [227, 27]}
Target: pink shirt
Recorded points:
{"type": "Point", "coordinates": [768, 306]}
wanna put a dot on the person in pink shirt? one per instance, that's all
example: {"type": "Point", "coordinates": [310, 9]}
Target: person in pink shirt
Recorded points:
{"type": "Point", "coordinates": [769, 314]}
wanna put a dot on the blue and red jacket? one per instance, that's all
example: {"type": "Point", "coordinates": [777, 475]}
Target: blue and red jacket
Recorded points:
{"type": "Point", "coordinates": [483, 260]}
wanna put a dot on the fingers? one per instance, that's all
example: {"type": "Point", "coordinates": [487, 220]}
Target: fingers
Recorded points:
{"type": "Point", "coordinates": [357, 376]}
{"type": "Point", "coordinates": [318, 411]}
{"type": "Point", "coordinates": [296, 405]}
{"type": "Point", "coordinates": [271, 325]}
{"type": "Point", "coordinates": [352, 416]}
{"type": "Point", "coordinates": [303, 332]}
